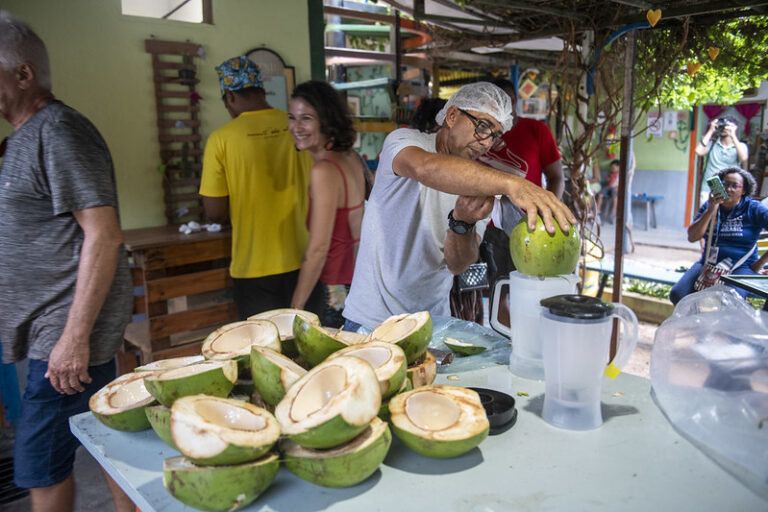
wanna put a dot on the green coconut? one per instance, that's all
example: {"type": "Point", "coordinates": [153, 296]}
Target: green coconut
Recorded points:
{"type": "Point", "coordinates": [542, 254]}
{"type": "Point", "coordinates": [412, 332]}
{"type": "Point", "coordinates": [213, 431]}
{"type": "Point", "coordinates": [423, 372]}
{"type": "Point", "coordinates": [331, 404]}
{"type": "Point", "coordinates": [314, 342]}
{"type": "Point", "coordinates": [218, 488]}
{"type": "Point", "coordinates": [387, 360]}
{"type": "Point", "coordinates": [342, 466]}
{"type": "Point", "coordinates": [159, 417]}
{"type": "Point", "coordinates": [283, 319]}
{"type": "Point", "coordinates": [215, 378]}
{"type": "Point", "coordinates": [234, 341]}
{"type": "Point", "coordinates": [464, 349]}
{"type": "Point", "coordinates": [439, 421]}
{"type": "Point", "coordinates": [120, 404]}
{"type": "Point", "coordinates": [169, 364]}
{"type": "Point", "coordinates": [273, 374]}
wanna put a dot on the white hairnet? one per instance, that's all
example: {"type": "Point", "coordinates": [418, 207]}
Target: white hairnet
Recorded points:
{"type": "Point", "coordinates": [482, 97]}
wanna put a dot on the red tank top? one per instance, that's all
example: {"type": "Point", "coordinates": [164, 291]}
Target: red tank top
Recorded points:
{"type": "Point", "coordinates": [340, 262]}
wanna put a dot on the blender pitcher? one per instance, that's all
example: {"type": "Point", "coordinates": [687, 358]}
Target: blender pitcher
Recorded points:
{"type": "Point", "coordinates": [576, 339]}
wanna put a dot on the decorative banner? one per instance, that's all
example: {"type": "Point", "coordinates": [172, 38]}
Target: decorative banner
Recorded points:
{"type": "Point", "coordinates": [713, 52]}
{"type": "Point", "coordinates": [527, 88]}
{"type": "Point", "coordinates": [670, 121]}
{"type": "Point", "coordinates": [655, 126]}
{"type": "Point", "coordinates": [693, 67]}
{"type": "Point", "coordinates": [653, 17]}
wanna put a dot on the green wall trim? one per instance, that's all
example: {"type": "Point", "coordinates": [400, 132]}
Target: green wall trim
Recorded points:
{"type": "Point", "coordinates": [316, 21]}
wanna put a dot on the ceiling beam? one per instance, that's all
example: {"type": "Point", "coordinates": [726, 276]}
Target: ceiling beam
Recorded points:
{"type": "Point", "coordinates": [475, 58]}
{"type": "Point", "coordinates": [525, 6]}
{"type": "Point", "coordinates": [639, 4]}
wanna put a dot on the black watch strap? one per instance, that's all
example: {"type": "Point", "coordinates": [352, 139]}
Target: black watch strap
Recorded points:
{"type": "Point", "coordinates": [459, 226]}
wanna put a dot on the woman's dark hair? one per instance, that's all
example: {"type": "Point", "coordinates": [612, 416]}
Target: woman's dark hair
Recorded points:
{"type": "Point", "coordinates": [749, 184]}
{"type": "Point", "coordinates": [332, 111]}
{"type": "Point", "coordinates": [424, 117]}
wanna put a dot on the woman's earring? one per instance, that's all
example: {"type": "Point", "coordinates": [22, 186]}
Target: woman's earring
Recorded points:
{"type": "Point", "coordinates": [329, 145]}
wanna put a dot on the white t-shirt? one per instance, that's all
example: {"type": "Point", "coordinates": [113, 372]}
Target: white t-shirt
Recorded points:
{"type": "Point", "coordinates": [400, 265]}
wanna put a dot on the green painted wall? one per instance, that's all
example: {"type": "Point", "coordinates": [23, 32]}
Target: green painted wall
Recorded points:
{"type": "Point", "coordinates": [99, 67]}
{"type": "Point", "coordinates": [663, 153]}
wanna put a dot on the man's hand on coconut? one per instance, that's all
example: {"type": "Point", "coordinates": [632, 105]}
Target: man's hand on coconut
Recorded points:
{"type": "Point", "coordinates": [536, 200]}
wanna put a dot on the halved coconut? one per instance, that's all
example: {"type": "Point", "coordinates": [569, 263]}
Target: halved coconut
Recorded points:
{"type": "Point", "coordinates": [218, 488]}
{"type": "Point", "coordinates": [169, 364]}
{"type": "Point", "coordinates": [283, 319]}
{"type": "Point", "coordinates": [314, 342]}
{"type": "Point", "coordinates": [233, 341]}
{"type": "Point", "coordinates": [423, 373]}
{"type": "Point", "coordinates": [159, 417]}
{"type": "Point", "coordinates": [331, 404]}
{"type": "Point", "coordinates": [345, 465]}
{"type": "Point", "coordinates": [214, 431]}
{"type": "Point", "coordinates": [388, 362]}
{"type": "Point", "coordinates": [273, 373]}
{"type": "Point", "coordinates": [215, 378]}
{"type": "Point", "coordinates": [465, 349]}
{"type": "Point", "coordinates": [384, 409]}
{"type": "Point", "coordinates": [439, 421]}
{"type": "Point", "coordinates": [350, 338]}
{"type": "Point", "coordinates": [120, 404]}
{"type": "Point", "coordinates": [412, 332]}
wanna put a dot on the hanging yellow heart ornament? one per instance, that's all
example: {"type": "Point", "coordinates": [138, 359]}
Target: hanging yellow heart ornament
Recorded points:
{"type": "Point", "coordinates": [693, 67]}
{"type": "Point", "coordinates": [653, 16]}
{"type": "Point", "coordinates": [713, 52]}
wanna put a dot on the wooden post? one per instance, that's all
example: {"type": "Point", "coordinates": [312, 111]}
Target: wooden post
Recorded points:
{"type": "Point", "coordinates": [626, 133]}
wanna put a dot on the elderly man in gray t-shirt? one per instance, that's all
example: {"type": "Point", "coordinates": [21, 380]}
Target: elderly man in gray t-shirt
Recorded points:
{"type": "Point", "coordinates": [65, 288]}
{"type": "Point", "coordinates": [401, 267]}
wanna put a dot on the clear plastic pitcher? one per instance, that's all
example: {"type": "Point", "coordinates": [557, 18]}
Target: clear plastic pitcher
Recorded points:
{"type": "Point", "coordinates": [525, 293]}
{"type": "Point", "coordinates": [576, 339]}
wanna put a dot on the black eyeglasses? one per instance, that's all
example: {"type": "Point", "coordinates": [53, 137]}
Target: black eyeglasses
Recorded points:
{"type": "Point", "coordinates": [484, 131]}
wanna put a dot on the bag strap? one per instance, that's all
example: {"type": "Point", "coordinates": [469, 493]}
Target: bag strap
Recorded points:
{"type": "Point", "coordinates": [744, 258]}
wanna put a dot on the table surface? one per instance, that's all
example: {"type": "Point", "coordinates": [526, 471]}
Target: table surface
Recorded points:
{"type": "Point", "coordinates": [754, 284]}
{"type": "Point", "coordinates": [160, 236]}
{"type": "Point", "coordinates": [634, 461]}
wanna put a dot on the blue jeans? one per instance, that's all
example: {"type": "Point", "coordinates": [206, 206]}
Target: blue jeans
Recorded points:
{"type": "Point", "coordinates": [685, 285]}
{"type": "Point", "coordinates": [44, 448]}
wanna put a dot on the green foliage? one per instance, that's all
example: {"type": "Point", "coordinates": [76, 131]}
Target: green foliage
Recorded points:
{"type": "Point", "coordinates": [641, 287]}
{"type": "Point", "coordinates": [367, 43]}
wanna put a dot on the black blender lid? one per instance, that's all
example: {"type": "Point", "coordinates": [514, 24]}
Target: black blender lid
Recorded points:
{"type": "Point", "coordinates": [581, 307]}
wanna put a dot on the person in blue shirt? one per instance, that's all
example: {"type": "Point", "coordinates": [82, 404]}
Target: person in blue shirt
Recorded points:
{"type": "Point", "coordinates": [738, 219]}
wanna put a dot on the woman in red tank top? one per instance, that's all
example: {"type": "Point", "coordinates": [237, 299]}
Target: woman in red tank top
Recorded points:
{"type": "Point", "coordinates": [320, 123]}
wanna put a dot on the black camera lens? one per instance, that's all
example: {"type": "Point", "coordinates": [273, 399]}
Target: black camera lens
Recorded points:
{"type": "Point", "coordinates": [720, 125]}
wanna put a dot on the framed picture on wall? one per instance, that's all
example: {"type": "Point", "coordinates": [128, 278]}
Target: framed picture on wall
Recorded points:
{"type": "Point", "coordinates": [279, 79]}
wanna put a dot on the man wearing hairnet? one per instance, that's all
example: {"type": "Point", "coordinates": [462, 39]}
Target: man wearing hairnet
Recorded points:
{"type": "Point", "coordinates": [401, 267]}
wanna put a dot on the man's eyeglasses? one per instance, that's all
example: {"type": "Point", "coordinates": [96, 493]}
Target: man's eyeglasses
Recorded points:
{"type": "Point", "coordinates": [484, 131]}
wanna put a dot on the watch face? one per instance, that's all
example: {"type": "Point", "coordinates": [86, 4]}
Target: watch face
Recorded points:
{"type": "Point", "coordinates": [459, 228]}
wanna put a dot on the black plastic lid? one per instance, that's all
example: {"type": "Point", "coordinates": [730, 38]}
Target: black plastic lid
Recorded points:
{"type": "Point", "coordinates": [581, 307]}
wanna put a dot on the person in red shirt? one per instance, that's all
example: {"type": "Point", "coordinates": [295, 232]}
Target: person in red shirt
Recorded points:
{"type": "Point", "coordinates": [530, 152]}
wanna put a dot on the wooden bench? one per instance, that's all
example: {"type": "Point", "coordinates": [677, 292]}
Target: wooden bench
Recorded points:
{"type": "Point", "coordinates": [650, 207]}
{"type": "Point", "coordinates": [182, 292]}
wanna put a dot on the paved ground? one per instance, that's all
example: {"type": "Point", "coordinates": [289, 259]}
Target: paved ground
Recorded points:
{"type": "Point", "coordinates": [665, 248]}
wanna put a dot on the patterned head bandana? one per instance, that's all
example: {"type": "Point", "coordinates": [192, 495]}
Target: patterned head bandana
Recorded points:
{"type": "Point", "coordinates": [238, 73]}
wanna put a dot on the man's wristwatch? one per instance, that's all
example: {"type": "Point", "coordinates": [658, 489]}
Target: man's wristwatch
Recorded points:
{"type": "Point", "coordinates": [459, 226]}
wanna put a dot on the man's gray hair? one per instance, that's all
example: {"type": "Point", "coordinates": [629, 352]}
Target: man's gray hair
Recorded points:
{"type": "Point", "coordinates": [19, 44]}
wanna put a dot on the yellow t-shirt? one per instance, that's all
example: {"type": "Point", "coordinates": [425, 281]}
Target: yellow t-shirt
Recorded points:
{"type": "Point", "coordinates": [252, 159]}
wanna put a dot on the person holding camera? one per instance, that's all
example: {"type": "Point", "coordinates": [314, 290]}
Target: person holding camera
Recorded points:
{"type": "Point", "coordinates": [723, 149]}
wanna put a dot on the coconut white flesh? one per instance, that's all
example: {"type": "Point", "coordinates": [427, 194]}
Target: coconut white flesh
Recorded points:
{"type": "Point", "coordinates": [397, 327]}
{"type": "Point", "coordinates": [168, 364]}
{"type": "Point", "coordinates": [292, 371]}
{"type": "Point", "coordinates": [123, 393]}
{"type": "Point", "coordinates": [235, 339]}
{"type": "Point", "coordinates": [344, 386]}
{"type": "Point", "coordinates": [229, 368]}
{"type": "Point", "coordinates": [203, 426]}
{"type": "Point", "coordinates": [357, 444]}
{"type": "Point", "coordinates": [283, 319]}
{"type": "Point", "coordinates": [351, 338]}
{"type": "Point", "coordinates": [385, 358]}
{"type": "Point", "coordinates": [441, 413]}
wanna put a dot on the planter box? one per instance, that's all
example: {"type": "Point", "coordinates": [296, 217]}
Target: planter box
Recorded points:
{"type": "Point", "coordinates": [647, 308]}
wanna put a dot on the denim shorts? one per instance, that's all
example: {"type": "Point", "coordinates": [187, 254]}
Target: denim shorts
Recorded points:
{"type": "Point", "coordinates": [44, 448]}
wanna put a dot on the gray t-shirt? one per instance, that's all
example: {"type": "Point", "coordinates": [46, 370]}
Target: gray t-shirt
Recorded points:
{"type": "Point", "coordinates": [56, 163]}
{"type": "Point", "coordinates": [400, 266]}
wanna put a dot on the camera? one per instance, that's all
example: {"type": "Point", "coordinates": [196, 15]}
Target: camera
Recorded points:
{"type": "Point", "coordinates": [720, 125]}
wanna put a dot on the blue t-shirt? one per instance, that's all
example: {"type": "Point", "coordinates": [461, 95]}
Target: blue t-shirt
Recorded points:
{"type": "Point", "coordinates": [737, 230]}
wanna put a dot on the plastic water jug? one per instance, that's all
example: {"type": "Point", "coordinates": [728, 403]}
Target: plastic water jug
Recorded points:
{"type": "Point", "coordinates": [576, 339]}
{"type": "Point", "coordinates": [525, 293]}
